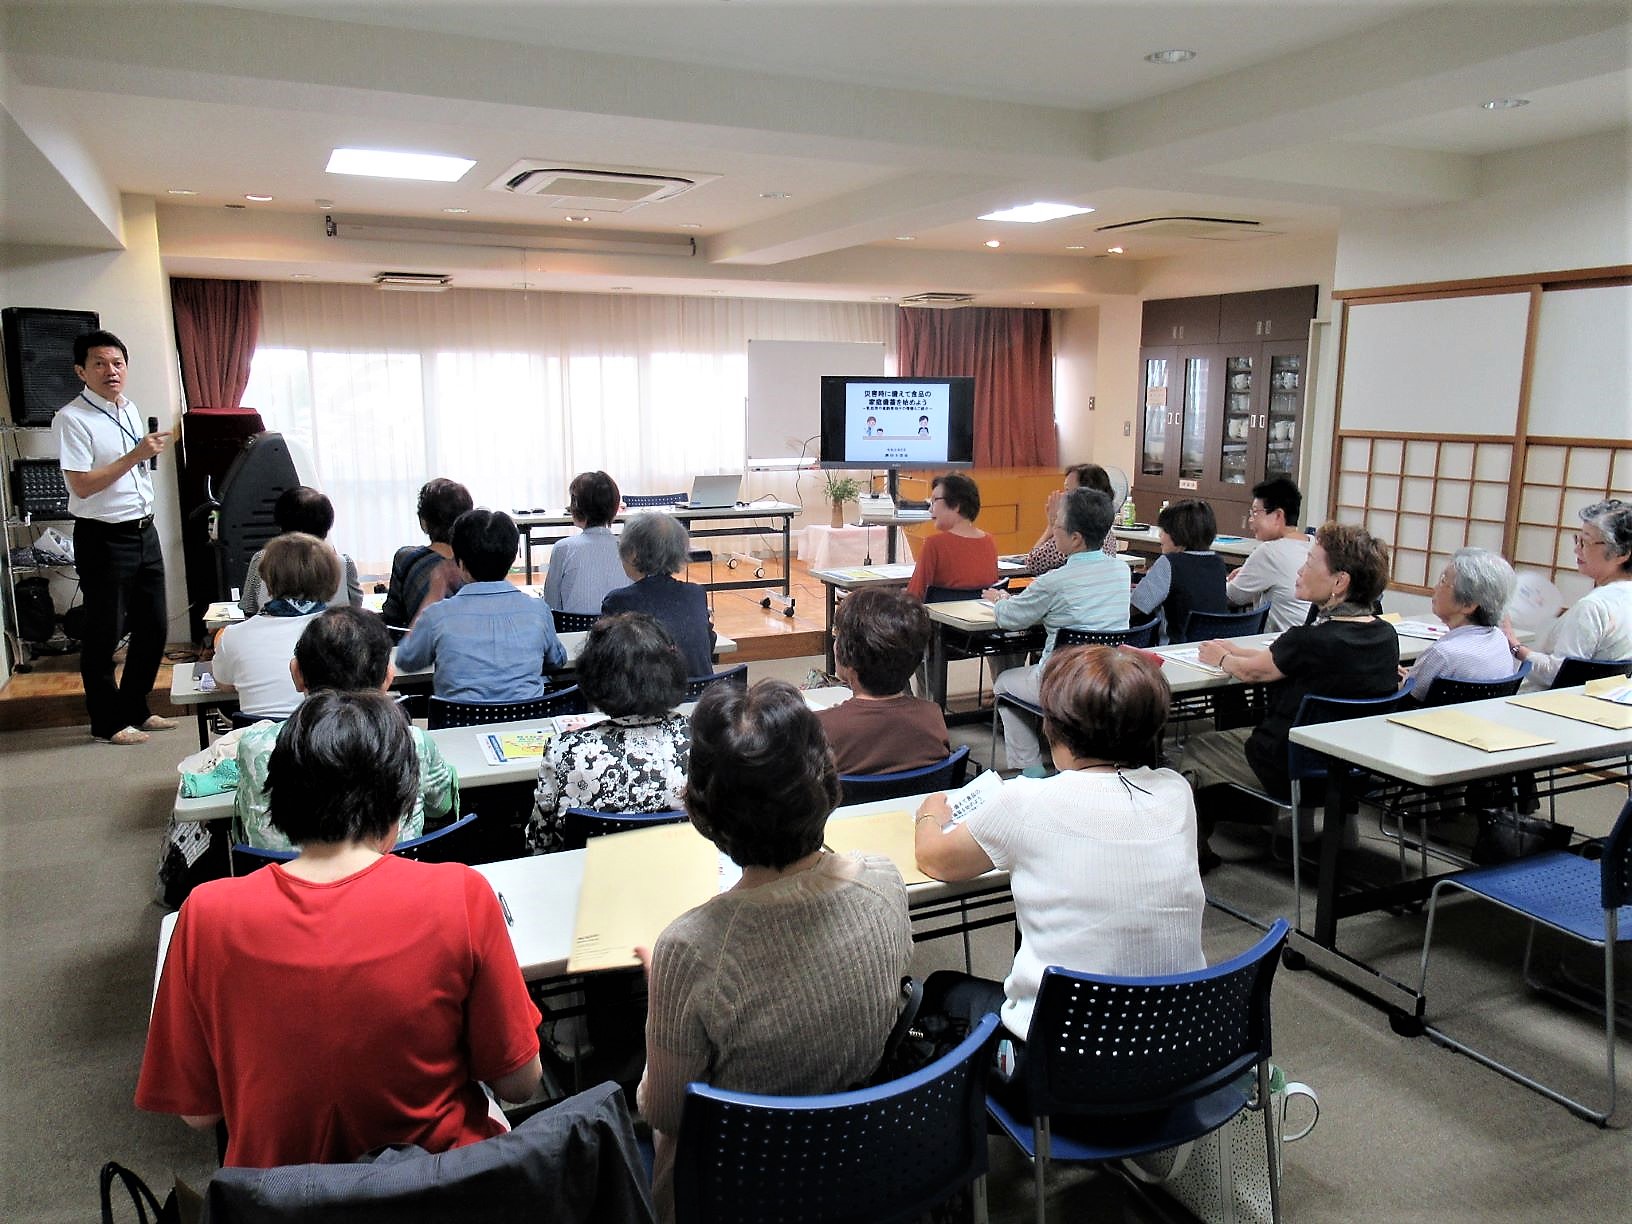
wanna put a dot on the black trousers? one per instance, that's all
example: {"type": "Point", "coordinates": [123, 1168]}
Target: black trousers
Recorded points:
{"type": "Point", "coordinates": [121, 576]}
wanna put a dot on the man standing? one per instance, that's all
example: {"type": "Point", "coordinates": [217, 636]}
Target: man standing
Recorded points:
{"type": "Point", "coordinates": [104, 451]}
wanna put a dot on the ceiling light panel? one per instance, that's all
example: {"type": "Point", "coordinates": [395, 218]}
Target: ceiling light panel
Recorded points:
{"type": "Point", "coordinates": [1031, 214]}
{"type": "Point", "coordinates": [386, 163]}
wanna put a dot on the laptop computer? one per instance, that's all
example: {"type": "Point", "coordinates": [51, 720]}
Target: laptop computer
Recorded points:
{"type": "Point", "coordinates": [715, 492]}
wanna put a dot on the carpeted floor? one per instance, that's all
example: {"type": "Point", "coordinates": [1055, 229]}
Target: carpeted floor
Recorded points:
{"type": "Point", "coordinates": [1408, 1131]}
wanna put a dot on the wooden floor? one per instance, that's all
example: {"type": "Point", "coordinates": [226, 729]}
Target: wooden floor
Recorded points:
{"type": "Point", "coordinates": [50, 694]}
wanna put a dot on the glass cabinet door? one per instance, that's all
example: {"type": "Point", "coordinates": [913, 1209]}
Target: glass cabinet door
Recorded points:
{"type": "Point", "coordinates": [1193, 438]}
{"type": "Point", "coordinates": [1153, 457]}
{"type": "Point", "coordinates": [1234, 447]}
{"type": "Point", "coordinates": [1285, 395]}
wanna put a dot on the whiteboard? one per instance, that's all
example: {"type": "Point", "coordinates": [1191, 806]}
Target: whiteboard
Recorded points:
{"type": "Point", "coordinates": [1441, 366]}
{"type": "Point", "coordinates": [1580, 386]}
{"type": "Point", "coordinates": [785, 390]}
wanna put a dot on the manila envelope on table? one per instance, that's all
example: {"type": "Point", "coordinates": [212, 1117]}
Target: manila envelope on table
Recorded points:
{"type": "Point", "coordinates": [1580, 707]}
{"type": "Point", "coordinates": [886, 833]}
{"type": "Point", "coordinates": [1469, 729]}
{"type": "Point", "coordinates": [635, 884]}
{"type": "Point", "coordinates": [975, 613]}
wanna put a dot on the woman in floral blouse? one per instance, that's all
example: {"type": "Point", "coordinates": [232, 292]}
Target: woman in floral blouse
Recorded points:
{"type": "Point", "coordinates": [635, 761]}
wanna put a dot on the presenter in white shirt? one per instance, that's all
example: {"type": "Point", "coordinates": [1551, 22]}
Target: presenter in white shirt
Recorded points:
{"type": "Point", "coordinates": [105, 449]}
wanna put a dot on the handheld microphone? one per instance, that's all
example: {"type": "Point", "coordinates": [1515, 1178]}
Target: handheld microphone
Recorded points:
{"type": "Point", "coordinates": [153, 427]}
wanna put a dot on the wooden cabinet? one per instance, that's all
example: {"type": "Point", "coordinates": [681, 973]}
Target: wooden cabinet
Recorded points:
{"type": "Point", "coordinates": [1012, 503]}
{"type": "Point", "coordinates": [1180, 321]}
{"type": "Point", "coordinates": [1219, 417]}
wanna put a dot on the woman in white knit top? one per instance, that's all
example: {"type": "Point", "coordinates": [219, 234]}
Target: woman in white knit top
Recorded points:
{"type": "Point", "coordinates": [1101, 857]}
{"type": "Point", "coordinates": [788, 983]}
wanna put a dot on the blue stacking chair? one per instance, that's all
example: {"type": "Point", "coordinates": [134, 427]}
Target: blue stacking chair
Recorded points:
{"type": "Point", "coordinates": [578, 825]}
{"type": "Point", "coordinates": [449, 844]}
{"type": "Point", "coordinates": [737, 675]}
{"type": "Point", "coordinates": [574, 622]}
{"type": "Point", "coordinates": [448, 712]}
{"type": "Point", "coordinates": [1575, 670]}
{"type": "Point", "coordinates": [881, 1155]}
{"type": "Point", "coordinates": [1573, 896]}
{"type": "Point", "coordinates": [943, 775]}
{"type": "Point", "coordinates": [1120, 1066]}
{"type": "Point", "coordinates": [1204, 626]}
{"type": "Point", "coordinates": [1146, 635]}
{"type": "Point", "coordinates": [1063, 638]}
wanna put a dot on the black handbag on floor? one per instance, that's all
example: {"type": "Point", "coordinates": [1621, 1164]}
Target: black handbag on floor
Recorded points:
{"type": "Point", "coordinates": [180, 1206]}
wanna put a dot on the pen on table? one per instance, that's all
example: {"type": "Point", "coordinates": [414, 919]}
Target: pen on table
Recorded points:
{"type": "Point", "coordinates": [509, 918]}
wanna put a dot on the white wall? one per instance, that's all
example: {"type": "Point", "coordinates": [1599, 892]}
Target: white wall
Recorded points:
{"type": "Point", "coordinates": [1548, 208]}
{"type": "Point", "coordinates": [131, 292]}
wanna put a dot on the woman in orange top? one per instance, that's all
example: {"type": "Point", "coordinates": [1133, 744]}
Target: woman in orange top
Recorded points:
{"type": "Point", "coordinates": [960, 555]}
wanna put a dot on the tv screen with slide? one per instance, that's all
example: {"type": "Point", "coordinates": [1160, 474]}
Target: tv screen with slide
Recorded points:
{"type": "Point", "coordinates": [898, 422]}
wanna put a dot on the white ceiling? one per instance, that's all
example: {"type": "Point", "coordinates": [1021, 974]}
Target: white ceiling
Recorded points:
{"type": "Point", "coordinates": [877, 121]}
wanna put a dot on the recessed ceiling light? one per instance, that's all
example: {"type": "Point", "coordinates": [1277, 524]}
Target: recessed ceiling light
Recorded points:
{"type": "Point", "coordinates": [1030, 214]}
{"type": "Point", "coordinates": [773, 195]}
{"type": "Point", "coordinates": [622, 288]}
{"type": "Point", "coordinates": [1076, 246]}
{"type": "Point", "coordinates": [882, 297]}
{"type": "Point", "coordinates": [1028, 303]}
{"type": "Point", "coordinates": [570, 217]}
{"type": "Point", "coordinates": [993, 243]}
{"type": "Point", "coordinates": [302, 276]}
{"type": "Point", "coordinates": [386, 163]}
{"type": "Point", "coordinates": [181, 191]}
{"type": "Point", "coordinates": [458, 212]}
{"type": "Point", "coordinates": [691, 225]}
{"type": "Point", "coordinates": [1175, 55]}
{"type": "Point", "coordinates": [906, 238]}
{"type": "Point", "coordinates": [1504, 104]}
{"type": "Point", "coordinates": [257, 199]}
{"type": "Point", "coordinates": [324, 203]}
{"type": "Point", "coordinates": [1113, 250]}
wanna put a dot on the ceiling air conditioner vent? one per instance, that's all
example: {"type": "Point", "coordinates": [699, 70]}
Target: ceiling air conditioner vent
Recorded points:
{"type": "Point", "coordinates": [413, 282]}
{"type": "Point", "coordinates": [577, 188]}
{"type": "Point", "coordinates": [1203, 229]}
{"type": "Point", "coordinates": [939, 301]}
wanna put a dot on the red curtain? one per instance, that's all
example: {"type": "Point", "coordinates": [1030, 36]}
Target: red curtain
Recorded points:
{"type": "Point", "coordinates": [1011, 355]}
{"type": "Point", "coordinates": [217, 322]}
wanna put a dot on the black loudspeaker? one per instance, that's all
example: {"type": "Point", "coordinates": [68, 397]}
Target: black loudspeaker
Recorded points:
{"type": "Point", "coordinates": [40, 374]}
{"type": "Point", "coordinates": [211, 439]}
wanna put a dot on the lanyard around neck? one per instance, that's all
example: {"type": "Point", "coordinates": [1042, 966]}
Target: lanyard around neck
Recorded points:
{"type": "Point", "coordinates": [119, 420]}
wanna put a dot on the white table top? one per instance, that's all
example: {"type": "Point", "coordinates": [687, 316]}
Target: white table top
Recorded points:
{"type": "Point", "coordinates": [542, 893]}
{"type": "Point", "coordinates": [461, 748]}
{"type": "Point", "coordinates": [1224, 545]}
{"type": "Point", "coordinates": [742, 510]}
{"type": "Point", "coordinates": [1429, 760]}
{"type": "Point", "coordinates": [184, 690]}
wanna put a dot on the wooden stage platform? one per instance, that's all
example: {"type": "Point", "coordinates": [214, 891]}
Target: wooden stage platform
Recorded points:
{"type": "Point", "coordinates": [49, 694]}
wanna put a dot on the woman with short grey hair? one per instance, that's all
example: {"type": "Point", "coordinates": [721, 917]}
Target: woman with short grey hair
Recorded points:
{"type": "Point", "coordinates": [653, 548]}
{"type": "Point", "coordinates": [1599, 626]}
{"type": "Point", "coordinates": [1470, 597]}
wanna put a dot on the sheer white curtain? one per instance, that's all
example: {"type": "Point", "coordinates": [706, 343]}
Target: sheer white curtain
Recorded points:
{"type": "Point", "coordinates": [513, 393]}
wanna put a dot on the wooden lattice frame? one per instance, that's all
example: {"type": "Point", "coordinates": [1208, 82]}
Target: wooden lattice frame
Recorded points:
{"type": "Point", "coordinates": [1560, 477]}
{"type": "Point", "coordinates": [1425, 495]}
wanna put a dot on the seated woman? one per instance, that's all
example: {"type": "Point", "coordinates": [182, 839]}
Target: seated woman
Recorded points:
{"type": "Point", "coordinates": [424, 573]}
{"type": "Point", "coordinates": [879, 636]}
{"type": "Point", "coordinates": [630, 670]}
{"type": "Point", "coordinates": [1188, 576]}
{"type": "Point", "coordinates": [350, 998]}
{"type": "Point", "coordinates": [1090, 591]}
{"type": "Point", "coordinates": [1599, 625]}
{"type": "Point", "coordinates": [789, 982]}
{"type": "Point", "coordinates": [1044, 555]}
{"type": "Point", "coordinates": [1470, 596]}
{"type": "Point", "coordinates": [1346, 652]}
{"type": "Point", "coordinates": [1101, 857]}
{"type": "Point", "coordinates": [585, 568]}
{"type": "Point", "coordinates": [300, 572]}
{"type": "Point", "coordinates": [960, 555]}
{"type": "Point", "coordinates": [301, 509]}
{"type": "Point", "coordinates": [653, 548]}
{"type": "Point", "coordinates": [346, 649]}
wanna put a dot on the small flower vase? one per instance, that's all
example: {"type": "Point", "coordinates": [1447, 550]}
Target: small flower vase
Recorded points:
{"type": "Point", "coordinates": [838, 514]}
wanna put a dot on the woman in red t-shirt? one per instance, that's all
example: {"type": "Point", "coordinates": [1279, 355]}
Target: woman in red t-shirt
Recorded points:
{"type": "Point", "coordinates": [349, 998]}
{"type": "Point", "coordinates": [960, 555]}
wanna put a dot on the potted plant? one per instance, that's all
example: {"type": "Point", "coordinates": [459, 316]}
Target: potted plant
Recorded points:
{"type": "Point", "coordinates": [841, 489]}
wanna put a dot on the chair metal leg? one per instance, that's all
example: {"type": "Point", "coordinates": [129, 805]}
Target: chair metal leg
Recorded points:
{"type": "Point", "coordinates": [1268, 1110]}
{"type": "Point", "coordinates": [977, 1200]}
{"type": "Point", "coordinates": [1039, 1167]}
{"type": "Point", "coordinates": [1297, 857]}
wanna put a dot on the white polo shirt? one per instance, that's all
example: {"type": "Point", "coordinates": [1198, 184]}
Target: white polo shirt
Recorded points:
{"type": "Point", "coordinates": [92, 432]}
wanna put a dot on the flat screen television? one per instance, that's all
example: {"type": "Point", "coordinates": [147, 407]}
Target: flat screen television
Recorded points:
{"type": "Point", "coordinates": [897, 422]}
